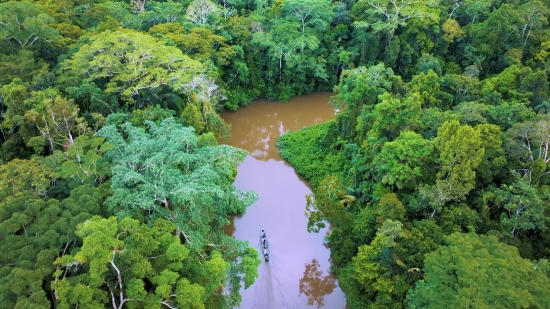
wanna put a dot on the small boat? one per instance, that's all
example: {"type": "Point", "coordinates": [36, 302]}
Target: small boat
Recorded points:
{"type": "Point", "coordinates": [263, 241]}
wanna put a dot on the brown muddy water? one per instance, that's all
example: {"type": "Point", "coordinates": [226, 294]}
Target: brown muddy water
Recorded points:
{"type": "Point", "coordinates": [297, 275]}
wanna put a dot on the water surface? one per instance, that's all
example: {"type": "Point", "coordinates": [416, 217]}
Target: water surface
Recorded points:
{"type": "Point", "coordinates": [297, 275]}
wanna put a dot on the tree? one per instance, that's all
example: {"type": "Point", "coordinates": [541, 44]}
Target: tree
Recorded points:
{"type": "Point", "coordinates": [490, 36]}
{"type": "Point", "coordinates": [528, 146]}
{"type": "Point", "coordinates": [311, 13]}
{"type": "Point", "coordinates": [125, 262]}
{"type": "Point", "coordinates": [452, 30]}
{"type": "Point", "coordinates": [478, 271]}
{"type": "Point", "coordinates": [163, 173]}
{"type": "Point", "coordinates": [403, 162]}
{"type": "Point", "coordinates": [23, 177]}
{"type": "Point", "coordinates": [533, 16]}
{"type": "Point", "coordinates": [199, 11]}
{"type": "Point", "coordinates": [379, 269]}
{"type": "Point", "coordinates": [388, 15]}
{"type": "Point", "coordinates": [21, 65]}
{"type": "Point", "coordinates": [23, 24]}
{"type": "Point", "coordinates": [14, 95]}
{"type": "Point", "coordinates": [83, 161]}
{"type": "Point", "coordinates": [428, 63]}
{"type": "Point", "coordinates": [494, 158]}
{"type": "Point", "coordinates": [55, 117]}
{"type": "Point", "coordinates": [167, 12]}
{"type": "Point", "coordinates": [357, 92]}
{"type": "Point", "coordinates": [193, 117]}
{"type": "Point", "coordinates": [138, 5]}
{"type": "Point", "coordinates": [393, 115]}
{"type": "Point", "coordinates": [428, 86]}
{"type": "Point", "coordinates": [325, 206]}
{"type": "Point", "coordinates": [285, 42]}
{"type": "Point", "coordinates": [522, 206]}
{"type": "Point", "coordinates": [130, 63]}
{"type": "Point", "coordinates": [460, 152]}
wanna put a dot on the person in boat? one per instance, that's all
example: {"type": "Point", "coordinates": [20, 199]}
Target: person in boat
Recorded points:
{"type": "Point", "coordinates": [263, 234]}
{"type": "Point", "coordinates": [266, 257]}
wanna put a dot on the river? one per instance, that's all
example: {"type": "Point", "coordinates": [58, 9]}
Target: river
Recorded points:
{"type": "Point", "coordinates": [297, 275]}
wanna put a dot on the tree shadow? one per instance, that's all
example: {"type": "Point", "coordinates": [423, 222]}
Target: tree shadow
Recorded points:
{"type": "Point", "coordinates": [315, 286]}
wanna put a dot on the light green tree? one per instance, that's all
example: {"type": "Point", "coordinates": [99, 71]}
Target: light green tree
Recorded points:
{"type": "Point", "coordinates": [379, 269]}
{"type": "Point", "coordinates": [200, 11]}
{"type": "Point", "coordinates": [193, 117]}
{"type": "Point", "coordinates": [313, 14]}
{"type": "Point", "coordinates": [393, 114]}
{"type": "Point", "coordinates": [129, 63]}
{"type": "Point", "coordinates": [24, 23]}
{"type": "Point", "coordinates": [388, 15]}
{"type": "Point", "coordinates": [55, 117]}
{"type": "Point", "coordinates": [83, 162]}
{"type": "Point", "coordinates": [460, 152]}
{"type": "Point", "coordinates": [404, 161]}
{"type": "Point", "coordinates": [125, 264]}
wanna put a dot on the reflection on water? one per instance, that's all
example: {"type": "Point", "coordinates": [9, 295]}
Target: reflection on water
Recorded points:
{"type": "Point", "coordinates": [283, 282]}
{"type": "Point", "coordinates": [315, 286]}
{"type": "Point", "coordinates": [230, 228]}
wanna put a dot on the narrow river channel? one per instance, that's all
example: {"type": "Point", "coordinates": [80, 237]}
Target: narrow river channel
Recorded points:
{"type": "Point", "coordinates": [297, 275]}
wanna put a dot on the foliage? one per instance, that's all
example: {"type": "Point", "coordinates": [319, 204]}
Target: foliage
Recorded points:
{"type": "Point", "coordinates": [441, 127]}
{"type": "Point", "coordinates": [154, 255]}
{"type": "Point", "coordinates": [131, 63]}
{"type": "Point", "coordinates": [34, 232]}
{"type": "Point", "coordinates": [163, 172]}
{"type": "Point", "coordinates": [307, 146]}
{"type": "Point", "coordinates": [472, 270]}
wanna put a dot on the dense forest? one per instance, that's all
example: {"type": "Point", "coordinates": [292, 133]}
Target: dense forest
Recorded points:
{"type": "Point", "coordinates": [435, 174]}
{"type": "Point", "coordinates": [114, 190]}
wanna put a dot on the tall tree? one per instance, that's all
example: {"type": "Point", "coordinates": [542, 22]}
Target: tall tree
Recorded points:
{"type": "Point", "coordinates": [388, 15]}
{"type": "Point", "coordinates": [166, 172]}
{"type": "Point", "coordinates": [357, 93]}
{"type": "Point", "coordinates": [403, 162]}
{"type": "Point", "coordinates": [460, 152]}
{"type": "Point", "coordinates": [131, 64]}
{"type": "Point", "coordinates": [313, 14]}
{"type": "Point", "coordinates": [200, 11]}
{"type": "Point", "coordinates": [126, 264]}
{"type": "Point", "coordinates": [528, 146]}
{"type": "Point", "coordinates": [22, 24]}
{"type": "Point", "coordinates": [56, 118]}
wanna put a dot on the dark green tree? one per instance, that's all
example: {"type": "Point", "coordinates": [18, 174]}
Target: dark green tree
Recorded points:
{"type": "Point", "coordinates": [479, 271]}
